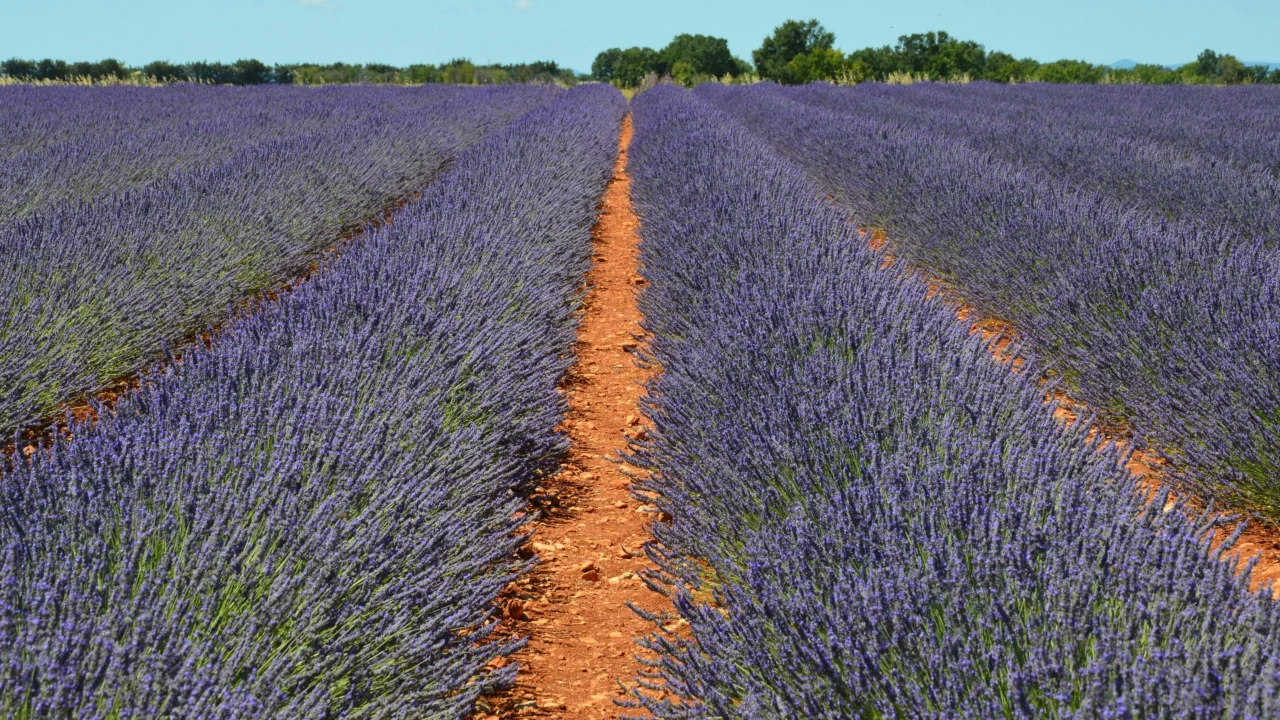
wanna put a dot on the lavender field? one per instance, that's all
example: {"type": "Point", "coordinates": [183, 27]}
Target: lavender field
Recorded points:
{"type": "Point", "coordinates": [888, 522]}
{"type": "Point", "coordinates": [321, 508]}
{"type": "Point", "coordinates": [143, 225]}
{"type": "Point", "coordinates": [1146, 267]}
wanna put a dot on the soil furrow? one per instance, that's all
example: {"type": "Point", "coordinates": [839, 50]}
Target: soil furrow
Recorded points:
{"type": "Point", "coordinates": [590, 534]}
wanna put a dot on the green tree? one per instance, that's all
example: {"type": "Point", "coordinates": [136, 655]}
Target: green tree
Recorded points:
{"type": "Point", "coordinates": [602, 66]}
{"type": "Point", "coordinates": [626, 68]}
{"type": "Point", "coordinates": [637, 62]}
{"type": "Point", "coordinates": [1210, 67]}
{"type": "Point", "coordinates": [164, 71]}
{"type": "Point", "coordinates": [49, 69]}
{"type": "Point", "coordinates": [282, 74]}
{"type": "Point", "coordinates": [1207, 63]}
{"type": "Point", "coordinates": [307, 75]}
{"type": "Point", "coordinates": [18, 69]}
{"type": "Point", "coordinates": [418, 74]}
{"type": "Point", "coordinates": [872, 63]}
{"type": "Point", "coordinates": [459, 71]}
{"type": "Point", "coordinates": [1152, 74]}
{"type": "Point", "coordinates": [1230, 70]}
{"type": "Point", "coordinates": [1004, 68]}
{"type": "Point", "coordinates": [1069, 71]}
{"type": "Point", "coordinates": [856, 71]}
{"type": "Point", "coordinates": [788, 40]}
{"type": "Point", "coordinates": [97, 70]}
{"type": "Point", "coordinates": [685, 74]}
{"type": "Point", "coordinates": [817, 64]}
{"type": "Point", "coordinates": [938, 56]}
{"type": "Point", "coordinates": [215, 73]}
{"type": "Point", "coordinates": [250, 72]}
{"type": "Point", "coordinates": [702, 55]}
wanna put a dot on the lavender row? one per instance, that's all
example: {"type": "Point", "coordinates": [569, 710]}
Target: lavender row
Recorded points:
{"type": "Point", "coordinates": [871, 518]}
{"type": "Point", "coordinates": [313, 518]}
{"type": "Point", "coordinates": [75, 144]}
{"type": "Point", "coordinates": [1168, 327]}
{"type": "Point", "coordinates": [93, 291]}
{"type": "Point", "coordinates": [1240, 125]}
{"type": "Point", "coordinates": [1094, 140]}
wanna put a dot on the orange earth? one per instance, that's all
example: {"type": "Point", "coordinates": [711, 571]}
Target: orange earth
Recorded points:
{"type": "Point", "coordinates": [589, 539]}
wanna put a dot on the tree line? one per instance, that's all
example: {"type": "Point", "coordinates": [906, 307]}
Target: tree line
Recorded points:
{"type": "Point", "coordinates": [796, 52]}
{"type": "Point", "coordinates": [799, 52]}
{"type": "Point", "coordinates": [253, 72]}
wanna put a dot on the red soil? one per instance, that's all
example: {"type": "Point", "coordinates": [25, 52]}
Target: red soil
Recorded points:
{"type": "Point", "coordinates": [1147, 467]}
{"type": "Point", "coordinates": [573, 606]}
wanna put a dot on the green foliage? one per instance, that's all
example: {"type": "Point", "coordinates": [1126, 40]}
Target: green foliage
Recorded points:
{"type": "Point", "coordinates": [626, 68]}
{"type": "Point", "coordinates": [815, 65]}
{"type": "Point", "coordinates": [250, 72]}
{"type": "Point", "coordinates": [254, 72]}
{"type": "Point", "coordinates": [684, 73]}
{"type": "Point", "coordinates": [1206, 64]}
{"type": "Point", "coordinates": [52, 70]}
{"type": "Point", "coordinates": [60, 70]}
{"type": "Point", "coordinates": [100, 70]}
{"type": "Point", "coordinates": [1210, 67]}
{"type": "Point", "coordinates": [18, 69]}
{"type": "Point", "coordinates": [240, 72]}
{"type": "Point", "coordinates": [687, 59]}
{"type": "Point", "coordinates": [790, 39]}
{"type": "Point", "coordinates": [1004, 68]}
{"type": "Point", "coordinates": [458, 72]}
{"type": "Point", "coordinates": [164, 71]}
{"type": "Point", "coordinates": [1143, 74]}
{"type": "Point", "coordinates": [938, 56]}
{"type": "Point", "coordinates": [1255, 74]}
{"type": "Point", "coordinates": [1069, 71]}
{"type": "Point", "coordinates": [871, 64]}
{"type": "Point", "coordinates": [602, 67]}
{"type": "Point", "coordinates": [702, 55]}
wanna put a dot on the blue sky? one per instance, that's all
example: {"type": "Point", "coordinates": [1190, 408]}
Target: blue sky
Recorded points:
{"type": "Point", "coordinates": [573, 31]}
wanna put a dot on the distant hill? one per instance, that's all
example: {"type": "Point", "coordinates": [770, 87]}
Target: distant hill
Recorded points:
{"type": "Point", "coordinates": [1271, 65]}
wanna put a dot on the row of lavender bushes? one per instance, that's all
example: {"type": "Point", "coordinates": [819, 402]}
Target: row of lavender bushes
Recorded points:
{"type": "Point", "coordinates": [1214, 161]}
{"type": "Point", "coordinates": [145, 231]}
{"type": "Point", "coordinates": [313, 518]}
{"type": "Point", "coordinates": [870, 517]}
{"type": "Point", "coordinates": [79, 143]}
{"type": "Point", "coordinates": [1165, 324]}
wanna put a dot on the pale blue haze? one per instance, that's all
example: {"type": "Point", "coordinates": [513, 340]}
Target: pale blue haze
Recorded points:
{"type": "Point", "coordinates": [571, 32]}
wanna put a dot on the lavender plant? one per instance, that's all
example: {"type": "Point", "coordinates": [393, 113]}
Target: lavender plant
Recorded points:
{"type": "Point", "coordinates": [76, 144]}
{"type": "Point", "coordinates": [91, 290]}
{"type": "Point", "coordinates": [1167, 326]}
{"type": "Point", "coordinates": [313, 517]}
{"type": "Point", "coordinates": [1090, 140]}
{"type": "Point", "coordinates": [870, 517]}
{"type": "Point", "coordinates": [1238, 125]}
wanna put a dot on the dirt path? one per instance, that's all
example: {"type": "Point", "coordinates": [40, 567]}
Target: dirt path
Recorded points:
{"type": "Point", "coordinates": [1145, 466]}
{"type": "Point", "coordinates": [573, 606]}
